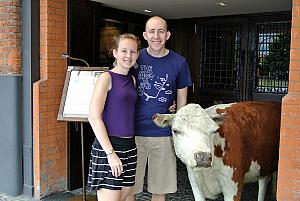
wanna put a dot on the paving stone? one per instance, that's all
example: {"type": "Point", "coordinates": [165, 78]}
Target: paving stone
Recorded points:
{"type": "Point", "coordinates": [184, 192]}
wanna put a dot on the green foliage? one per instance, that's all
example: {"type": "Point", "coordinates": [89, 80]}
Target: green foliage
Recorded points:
{"type": "Point", "coordinates": [277, 61]}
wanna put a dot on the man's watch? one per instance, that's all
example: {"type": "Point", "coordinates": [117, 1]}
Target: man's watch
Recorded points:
{"type": "Point", "coordinates": [109, 152]}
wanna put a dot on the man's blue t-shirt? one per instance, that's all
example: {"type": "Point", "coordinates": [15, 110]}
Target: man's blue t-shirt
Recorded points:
{"type": "Point", "coordinates": [157, 82]}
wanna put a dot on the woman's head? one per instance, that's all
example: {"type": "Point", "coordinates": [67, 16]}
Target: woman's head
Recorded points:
{"type": "Point", "coordinates": [125, 50]}
{"type": "Point", "coordinates": [116, 40]}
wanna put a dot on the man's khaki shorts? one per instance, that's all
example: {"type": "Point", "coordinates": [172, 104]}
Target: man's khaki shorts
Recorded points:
{"type": "Point", "coordinates": [160, 155]}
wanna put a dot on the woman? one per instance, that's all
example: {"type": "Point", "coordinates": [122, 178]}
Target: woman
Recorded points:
{"type": "Point", "coordinates": [113, 155]}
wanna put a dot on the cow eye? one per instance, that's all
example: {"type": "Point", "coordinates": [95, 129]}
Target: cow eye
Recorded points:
{"type": "Point", "coordinates": [175, 132]}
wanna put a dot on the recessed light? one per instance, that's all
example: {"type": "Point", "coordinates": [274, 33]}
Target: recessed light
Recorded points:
{"type": "Point", "coordinates": [221, 4]}
{"type": "Point", "coordinates": [147, 11]}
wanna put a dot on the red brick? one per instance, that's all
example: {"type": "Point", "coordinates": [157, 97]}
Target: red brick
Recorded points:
{"type": "Point", "coordinates": [294, 86]}
{"type": "Point", "coordinates": [295, 40]}
{"type": "Point", "coordinates": [10, 34]}
{"type": "Point", "coordinates": [52, 133]}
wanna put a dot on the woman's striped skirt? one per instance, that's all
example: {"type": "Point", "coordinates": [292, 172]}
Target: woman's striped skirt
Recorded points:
{"type": "Point", "coordinates": [100, 175]}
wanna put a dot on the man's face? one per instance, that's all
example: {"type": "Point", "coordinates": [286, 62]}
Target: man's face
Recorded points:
{"type": "Point", "coordinates": [156, 34]}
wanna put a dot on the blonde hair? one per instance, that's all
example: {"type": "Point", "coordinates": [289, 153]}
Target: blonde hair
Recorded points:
{"type": "Point", "coordinates": [116, 40]}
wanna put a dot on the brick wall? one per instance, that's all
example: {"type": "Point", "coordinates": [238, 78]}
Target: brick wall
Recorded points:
{"type": "Point", "coordinates": [288, 188]}
{"type": "Point", "coordinates": [10, 35]}
{"type": "Point", "coordinates": [49, 135]}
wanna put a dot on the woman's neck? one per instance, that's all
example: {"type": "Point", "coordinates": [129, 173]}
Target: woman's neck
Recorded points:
{"type": "Point", "coordinates": [120, 70]}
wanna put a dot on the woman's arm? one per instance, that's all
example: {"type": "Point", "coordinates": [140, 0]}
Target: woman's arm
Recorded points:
{"type": "Point", "coordinates": [103, 85]}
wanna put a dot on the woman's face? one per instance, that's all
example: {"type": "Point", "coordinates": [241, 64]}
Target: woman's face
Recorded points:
{"type": "Point", "coordinates": [126, 54]}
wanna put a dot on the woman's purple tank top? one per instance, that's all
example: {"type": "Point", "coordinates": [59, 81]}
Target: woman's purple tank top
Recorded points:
{"type": "Point", "coordinates": [118, 114]}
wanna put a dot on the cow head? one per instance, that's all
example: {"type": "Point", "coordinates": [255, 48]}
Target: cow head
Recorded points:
{"type": "Point", "coordinates": [193, 132]}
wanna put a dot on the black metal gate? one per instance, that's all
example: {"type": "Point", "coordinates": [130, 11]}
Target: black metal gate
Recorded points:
{"type": "Point", "coordinates": [236, 58]}
{"type": "Point", "coordinates": [270, 69]}
{"type": "Point", "coordinates": [220, 63]}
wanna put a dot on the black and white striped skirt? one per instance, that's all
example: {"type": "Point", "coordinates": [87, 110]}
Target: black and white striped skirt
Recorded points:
{"type": "Point", "coordinates": [100, 175]}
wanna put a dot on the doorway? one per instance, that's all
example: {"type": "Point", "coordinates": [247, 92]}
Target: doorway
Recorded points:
{"type": "Point", "coordinates": [236, 59]}
{"type": "Point", "coordinates": [91, 28]}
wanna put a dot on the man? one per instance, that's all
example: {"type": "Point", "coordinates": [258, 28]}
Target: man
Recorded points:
{"type": "Point", "coordinates": [162, 76]}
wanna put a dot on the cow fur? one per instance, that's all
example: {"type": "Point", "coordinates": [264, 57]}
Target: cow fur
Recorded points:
{"type": "Point", "coordinates": [243, 139]}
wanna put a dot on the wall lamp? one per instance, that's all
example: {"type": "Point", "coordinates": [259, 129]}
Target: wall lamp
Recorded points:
{"type": "Point", "coordinates": [66, 56]}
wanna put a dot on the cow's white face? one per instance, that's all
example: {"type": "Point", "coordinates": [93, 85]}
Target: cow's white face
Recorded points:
{"type": "Point", "coordinates": [193, 133]}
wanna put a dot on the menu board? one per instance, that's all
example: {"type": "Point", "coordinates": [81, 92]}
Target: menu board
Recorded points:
{"type": "Point", "coordinates": [77, 92]}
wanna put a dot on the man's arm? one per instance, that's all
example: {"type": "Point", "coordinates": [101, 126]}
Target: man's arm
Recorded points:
{"type": "Point", "coordinates": [181, 97]}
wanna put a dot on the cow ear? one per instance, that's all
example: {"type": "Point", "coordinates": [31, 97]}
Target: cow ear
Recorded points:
{"type": "Point", "coordinates": [163, 120]}
{"type": "Point", "coordinates": [213, 113]}
{"type": "Point", "coordinates": [219, 119]}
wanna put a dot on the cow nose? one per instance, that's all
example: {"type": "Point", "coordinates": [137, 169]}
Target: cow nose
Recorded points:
{"type": "Point", "coordinates": [203, 159]}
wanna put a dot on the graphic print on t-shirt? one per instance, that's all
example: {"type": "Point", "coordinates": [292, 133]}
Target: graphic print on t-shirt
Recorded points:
{"type": "Point", "coordinates": [153, 87]}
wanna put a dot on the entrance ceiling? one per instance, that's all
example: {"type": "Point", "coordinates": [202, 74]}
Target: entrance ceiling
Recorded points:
{"type": "Point", "coordinates": [176, 9]}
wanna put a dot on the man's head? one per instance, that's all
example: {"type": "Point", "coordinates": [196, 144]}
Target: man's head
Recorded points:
{"type": "Point", "coordinates": [156, 33]}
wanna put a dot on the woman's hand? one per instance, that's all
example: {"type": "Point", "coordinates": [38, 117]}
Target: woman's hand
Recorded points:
{"type": "Point", "coordinates": [115, 164]}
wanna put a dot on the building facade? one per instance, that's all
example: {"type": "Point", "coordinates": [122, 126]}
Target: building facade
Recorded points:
{"type": "Point", "coordinates": [34, 145]}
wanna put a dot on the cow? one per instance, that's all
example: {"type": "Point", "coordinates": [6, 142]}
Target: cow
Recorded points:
{"type": "Point", "coordinates": [226, 145]}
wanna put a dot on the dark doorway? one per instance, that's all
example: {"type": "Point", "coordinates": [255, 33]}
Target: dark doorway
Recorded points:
{"type": "Point", "coordinates": [91, 28]}
{"type": "Point", "coordinates": [232, 58]}
{"type": "Point", "coordinates": [236, 58]}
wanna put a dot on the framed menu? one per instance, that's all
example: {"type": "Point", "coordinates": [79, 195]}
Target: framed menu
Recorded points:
{"type": "Point", "coordinates": [77, 93]}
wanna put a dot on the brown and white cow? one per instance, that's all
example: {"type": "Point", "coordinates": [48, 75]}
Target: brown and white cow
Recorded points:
{"type": "Point", "coordinates": [226, 145]}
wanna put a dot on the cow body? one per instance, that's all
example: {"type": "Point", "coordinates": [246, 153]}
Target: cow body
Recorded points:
{"type": "Point", "coordinates": [226, 145]}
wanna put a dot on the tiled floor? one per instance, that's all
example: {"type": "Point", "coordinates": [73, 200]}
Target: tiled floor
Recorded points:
{"type": "Point", "coordinates": [184, 192]}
